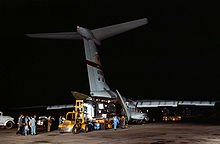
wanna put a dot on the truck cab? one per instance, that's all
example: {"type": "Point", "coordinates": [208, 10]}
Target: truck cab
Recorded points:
{"type": "Point", "coordinates": [6, 121]}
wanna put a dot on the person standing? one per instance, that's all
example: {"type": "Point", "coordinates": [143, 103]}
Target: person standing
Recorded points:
{"type": "Point", "coordinates": [20, 125]}
{"type": "Point", "coordinates": [115, 122]}
{"type": "Point", "coordinates": [33, 125]}
{"type": "Point", "coordinates": [60, 119]}
{"type": "Point", "coordinates": [23, 124]}
{"type": "Point", "coordinates": [26, 129]}
{"type": "Point", "coordinates": [122, 122]}
{"type": "Point", "coordinates": [90, 125]}
{"type": "Point", "coordinates": [49, 123]}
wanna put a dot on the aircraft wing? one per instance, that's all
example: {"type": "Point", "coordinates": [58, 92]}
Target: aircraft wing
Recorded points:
{"type": "Point", "coordinates": [109, 31]}
{"type": "Point", "coordinates": [59, 35]}
{"type": "Point", "coordinates": [55, 107]}
{"type": "Point", "coordinates": [170, 103]}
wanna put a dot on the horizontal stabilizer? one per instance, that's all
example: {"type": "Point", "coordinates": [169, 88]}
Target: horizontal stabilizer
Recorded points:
{"type": "Point", "coordinates": [59, 35]}
{"type": "Point", "coordinates": [109, 31]}
{"type": "Point", "coordinates": [99, 34]}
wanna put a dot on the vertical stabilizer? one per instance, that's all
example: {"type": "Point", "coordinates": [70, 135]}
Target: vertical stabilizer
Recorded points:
{"type": "Point", "coordinates": [98, 86]}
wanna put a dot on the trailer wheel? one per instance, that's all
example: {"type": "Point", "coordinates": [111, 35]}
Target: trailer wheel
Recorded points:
{"type": "Point", "coordinates": [9, 125]}
{"type": "Point", "coordinates": [103, 126]}
{"type": "Point", "coordinates": [75, 129]}
{"type": "Point", "coordinates": [146, 119]}
{"type": "Point", "coordinates": [86, 129]}
{"type": "Point", "coordinates": [140, 122]}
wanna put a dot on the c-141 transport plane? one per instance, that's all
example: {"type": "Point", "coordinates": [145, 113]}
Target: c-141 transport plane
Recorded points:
{"type": "Point", "coordinates": [98, 86]}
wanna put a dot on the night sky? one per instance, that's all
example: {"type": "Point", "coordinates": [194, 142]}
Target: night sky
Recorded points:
{"type": "Point", "coordinates": [174, 57]}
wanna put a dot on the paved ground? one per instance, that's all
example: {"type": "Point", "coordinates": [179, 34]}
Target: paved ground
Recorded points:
{"type": "Point", "coordinates": [154, 133]}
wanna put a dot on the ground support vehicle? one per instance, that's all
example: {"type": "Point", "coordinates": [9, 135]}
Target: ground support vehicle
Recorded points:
{"type": "Point", "coordinates": [103, 123]}
{"type": "Point", "coordinates": [6, 121]}
{"type": "Point", "coordinates": [171, 118]}
{"type": "Point", "coordinates": [75, 121]}
{"type": "Point", "coordinates": [106, 123]}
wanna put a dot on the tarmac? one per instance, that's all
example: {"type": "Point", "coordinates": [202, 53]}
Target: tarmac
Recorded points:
{"type": "Point", "coordinates": [151, 133]}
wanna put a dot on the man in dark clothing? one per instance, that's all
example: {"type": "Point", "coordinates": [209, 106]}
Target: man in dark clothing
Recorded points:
{"type": "Point", "coordinates": [122, 122]}
{"type": "Point", "coordinates": [90, 125]}
{"type": "Point", "coordinates": [20, 124]}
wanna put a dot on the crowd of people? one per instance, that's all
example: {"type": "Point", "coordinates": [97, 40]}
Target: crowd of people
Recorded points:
{"type": "Point", "coordinates": [122, 122]}
{"type": "Point", "coordinates": [26, 125]}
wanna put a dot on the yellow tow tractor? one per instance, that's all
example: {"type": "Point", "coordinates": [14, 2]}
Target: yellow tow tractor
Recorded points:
{"type": "Point", "coordinates": [75, 121]}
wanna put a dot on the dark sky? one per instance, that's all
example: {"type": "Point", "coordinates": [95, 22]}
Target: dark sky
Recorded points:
{"type": "Point", "coordinates": [174, 57]}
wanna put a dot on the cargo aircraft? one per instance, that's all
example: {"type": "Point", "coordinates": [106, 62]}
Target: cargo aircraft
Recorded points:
{"type": "Point", "coordinates": [97, 82]}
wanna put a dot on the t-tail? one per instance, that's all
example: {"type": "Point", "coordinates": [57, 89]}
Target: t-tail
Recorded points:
{"type": "Point", "coordinates": [91, 38]}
